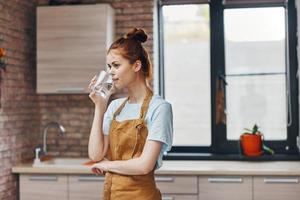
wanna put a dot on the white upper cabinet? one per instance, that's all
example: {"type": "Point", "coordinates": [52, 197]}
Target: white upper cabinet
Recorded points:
{"type": "Point", "coordinates": [71, 46]}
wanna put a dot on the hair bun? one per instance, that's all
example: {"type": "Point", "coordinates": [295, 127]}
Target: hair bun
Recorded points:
{"type": "Point", "coordinates": [137, 34]}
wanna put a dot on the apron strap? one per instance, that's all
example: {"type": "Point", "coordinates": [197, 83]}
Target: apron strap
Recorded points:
{"type": "Point", "coordinates": [117, 112]}
{"type": "Point", "coordinates": [144, 107]}
{"type": "Point", "coordinates": [145, 104]}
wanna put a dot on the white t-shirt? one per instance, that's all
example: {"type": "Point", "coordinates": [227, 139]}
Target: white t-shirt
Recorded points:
{"type": "Point", "coordinates": [159, 120]}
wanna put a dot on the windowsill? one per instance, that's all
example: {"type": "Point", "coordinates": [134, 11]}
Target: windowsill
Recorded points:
{"type": "Point", "coordinates": [234, 157]}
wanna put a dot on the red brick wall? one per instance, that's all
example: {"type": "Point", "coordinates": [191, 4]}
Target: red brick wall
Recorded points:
{"type": "Point", "coordinates": [19, 116]}
{"type": "Point", "coordinates": [23, 113]}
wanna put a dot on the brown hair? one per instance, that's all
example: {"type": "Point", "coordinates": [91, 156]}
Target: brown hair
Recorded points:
{"type": "Point", "coordinates": [131, 48]}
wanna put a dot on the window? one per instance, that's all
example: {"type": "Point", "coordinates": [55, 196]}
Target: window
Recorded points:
{"type": "Point", "coordinates": [225, 65]}
{"type": "Point", "coordinates": [255, 68]}
{"type": "Point", "coordinates": [187, 60]}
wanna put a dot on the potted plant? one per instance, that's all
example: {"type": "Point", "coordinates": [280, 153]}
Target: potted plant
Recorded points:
{"type": "Point", "coordinates": [251, 142]}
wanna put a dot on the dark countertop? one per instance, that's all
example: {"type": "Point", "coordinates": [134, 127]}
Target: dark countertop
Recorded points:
{"type": "Point", "coordinates": [231, 157]}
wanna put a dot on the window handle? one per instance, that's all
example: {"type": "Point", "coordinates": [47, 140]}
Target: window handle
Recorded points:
{"type": "Point", "coordinates": [289, 103]}
{"type": "Point", "coordinates": [223, 78]}
{"type": "Point", "coordinates": [287, 62]}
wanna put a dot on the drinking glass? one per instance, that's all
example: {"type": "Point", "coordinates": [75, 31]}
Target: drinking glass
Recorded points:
{"type": "Point", "coordinates": [104, 84]}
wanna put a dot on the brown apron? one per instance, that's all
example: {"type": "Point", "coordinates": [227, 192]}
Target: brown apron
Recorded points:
{"type": "Point", "coordinates": [126, 141]}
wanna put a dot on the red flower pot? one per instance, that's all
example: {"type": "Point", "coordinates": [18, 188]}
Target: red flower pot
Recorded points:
{"type": "Point", "coordinates": [251, 144]}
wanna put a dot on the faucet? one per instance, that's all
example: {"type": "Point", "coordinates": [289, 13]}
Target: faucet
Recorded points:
{"type": "Point", "coordinates": [50, 124]}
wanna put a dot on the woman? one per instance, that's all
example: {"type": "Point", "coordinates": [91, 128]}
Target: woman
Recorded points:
{"type": "Point", "coordinates": [135, 131]}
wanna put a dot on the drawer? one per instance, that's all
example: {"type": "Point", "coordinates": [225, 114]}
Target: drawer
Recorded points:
{"type": "Point", "coordinates": [225, 188]}
{"type": "Point", "coordinates": [276, 188]}
{"type": "Point", "coordinates": [179, 197]}
{"type": "Point", "coordinates": [85, 187]}
{"type": "Point", "coordinates": [177, 184]}
{"type": "Point", "coordinates": [46, 187]}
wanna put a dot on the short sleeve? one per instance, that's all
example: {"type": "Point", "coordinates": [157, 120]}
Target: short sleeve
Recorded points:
{"type": "Point", "coordinates": [161, 126]}
{"type": "Point", "coordinates": [107, 119]}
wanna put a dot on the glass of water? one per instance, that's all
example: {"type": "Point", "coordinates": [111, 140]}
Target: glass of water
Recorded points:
{"type": "Point", "coordinates": [104, 85]}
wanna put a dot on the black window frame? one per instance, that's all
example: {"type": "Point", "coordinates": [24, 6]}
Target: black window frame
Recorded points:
{"type": "Point", "coordinates": [219, 142]}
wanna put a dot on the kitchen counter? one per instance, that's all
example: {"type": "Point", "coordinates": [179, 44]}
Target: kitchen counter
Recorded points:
{"type": "Point", "coordinates": [183, 167]}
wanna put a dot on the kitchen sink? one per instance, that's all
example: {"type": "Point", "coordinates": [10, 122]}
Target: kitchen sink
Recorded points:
{"type": "Point", "coordinates": [62, 162]}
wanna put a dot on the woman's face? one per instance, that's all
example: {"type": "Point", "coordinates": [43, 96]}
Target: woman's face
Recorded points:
{"type": "Point", "coordinates": [123, 73]}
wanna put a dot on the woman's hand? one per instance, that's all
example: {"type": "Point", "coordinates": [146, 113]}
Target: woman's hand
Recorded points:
{"type": "Point", "coordinates": [100, 167]}
{"type": "Point", "coordinates": [97, 171]}
{"type": "Point", "coordinates": [98, 100]}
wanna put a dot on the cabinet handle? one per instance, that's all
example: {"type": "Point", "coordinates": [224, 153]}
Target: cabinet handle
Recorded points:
{"type": "Point", "coordinates": [164, 179]}
{"type": "Point", "coordinates": [281, 180]}
{"type": "Point", "coordinates": [90, 178]}
{"type": "Point", "coordinates": [168, 198]}
{"type": "Point", "coordinates": [43, 178]}
{"type": "Point", "coordinates": [70, 90]}
{"type": "Point", "coordinates": [225, 180]}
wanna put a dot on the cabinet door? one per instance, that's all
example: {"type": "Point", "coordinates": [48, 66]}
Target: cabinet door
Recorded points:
{"type": "Point", "coordinates": [276, 188]}
{"type": "Point", "coordinates": [71, 47]}
{"type": "Point", "coordinates": [46, 187]}
{"type": "Point", "coordinates": [225, 188]}
{"type": "Point", "coordinates": [85, 187]}
{"type": "Point", "coordinates": [177, 184]}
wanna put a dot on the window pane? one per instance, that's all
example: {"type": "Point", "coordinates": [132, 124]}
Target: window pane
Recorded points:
{"type": "Point", "coordinates": [187, 72]}
{"type": "Point", "coordinates": [256, 71]}
{"type": "Point", "coordinates": [256, 99]}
